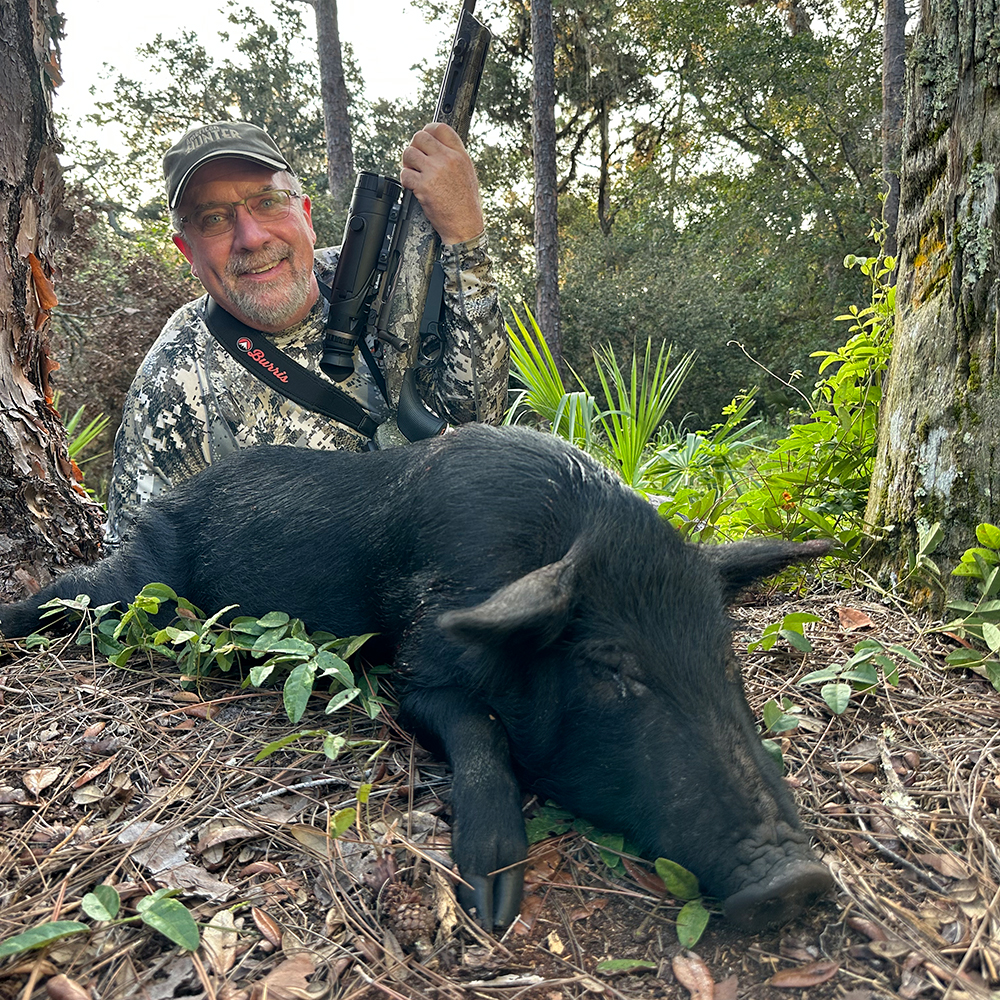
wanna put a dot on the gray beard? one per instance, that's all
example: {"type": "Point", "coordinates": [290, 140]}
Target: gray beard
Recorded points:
{"type": "Point", "coordinates": [261, 314]}
{"type": "Point", "coordinates": [274, 315]}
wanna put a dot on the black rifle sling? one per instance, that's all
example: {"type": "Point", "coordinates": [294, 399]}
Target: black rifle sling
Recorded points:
{"type": "Point", "coordinates": [273, 367]}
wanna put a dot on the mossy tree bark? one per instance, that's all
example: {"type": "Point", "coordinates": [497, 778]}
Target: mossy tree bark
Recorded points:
{"type": "Point", "coordinates": [46, 520]}
{"type": "Point", "coordinates": [939, 435]}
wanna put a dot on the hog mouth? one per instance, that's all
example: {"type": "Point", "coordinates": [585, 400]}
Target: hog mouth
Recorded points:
{"type": "Point", "coordinates": [779, 897]}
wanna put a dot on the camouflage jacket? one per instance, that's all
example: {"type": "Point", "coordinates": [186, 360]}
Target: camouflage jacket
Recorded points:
{"type": "Point", "coordinates": [190, 403]}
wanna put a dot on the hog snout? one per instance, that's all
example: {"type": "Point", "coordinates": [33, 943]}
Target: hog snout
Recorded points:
{"type": "Point", "coordinates": [778, 879]}
{"type": "Point", "coordinates": [782, 894]}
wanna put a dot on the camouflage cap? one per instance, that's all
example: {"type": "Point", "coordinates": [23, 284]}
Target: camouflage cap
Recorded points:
{"type": "Point", "coordinates": [210, 142]}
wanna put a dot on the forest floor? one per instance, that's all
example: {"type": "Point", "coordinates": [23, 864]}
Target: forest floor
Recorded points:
{"type": "Point", "coordinates": [122, 776]}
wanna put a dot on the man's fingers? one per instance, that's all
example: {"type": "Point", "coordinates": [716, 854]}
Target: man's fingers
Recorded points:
{"type": "Point", "coordinates": [437, 168]}
{"type": "Point", "coordinates": [435, 138]}
{"type": "Point", "coordinates": [445, 134]}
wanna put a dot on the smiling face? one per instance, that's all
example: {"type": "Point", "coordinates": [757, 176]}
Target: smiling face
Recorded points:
{"type": "Point", "coordinates": [260, 272]}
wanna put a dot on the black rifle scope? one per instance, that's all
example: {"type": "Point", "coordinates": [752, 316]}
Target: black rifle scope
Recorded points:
{"type": "Point", "coordinates": [363, 257]}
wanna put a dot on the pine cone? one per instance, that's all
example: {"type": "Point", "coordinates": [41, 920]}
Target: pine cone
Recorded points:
{"type": "Point", "coordinates": [406, 913]}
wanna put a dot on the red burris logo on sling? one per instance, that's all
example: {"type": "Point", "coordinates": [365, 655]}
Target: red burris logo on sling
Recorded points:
{"type": "Point", "coordinates": [245, 344]}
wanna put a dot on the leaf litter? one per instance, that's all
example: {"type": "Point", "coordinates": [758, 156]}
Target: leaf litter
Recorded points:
{"type": "Point", "coordinates": [106, 781]}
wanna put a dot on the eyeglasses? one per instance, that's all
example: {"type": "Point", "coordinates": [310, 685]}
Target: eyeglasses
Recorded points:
{"type": "Point", "coordinates": [214, 220]}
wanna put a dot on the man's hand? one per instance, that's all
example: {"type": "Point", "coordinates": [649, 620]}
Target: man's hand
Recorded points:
{"type": "Point", "coordinates": [439, 172]}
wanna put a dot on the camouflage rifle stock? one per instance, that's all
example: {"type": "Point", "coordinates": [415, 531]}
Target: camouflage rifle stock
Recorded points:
{"type": "Point", "coordinates": [417, 246]}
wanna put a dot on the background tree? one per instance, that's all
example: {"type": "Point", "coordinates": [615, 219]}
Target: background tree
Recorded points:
{"type": "Point", "coordinates": [714, 163]}
{"type": "Point", "coordinates": [543, 131]}
{"type": "Point", "coordinates": [336, 100]}
{"type": "Point", "coordinates": [938, 439]}
{"type": "Point", "coordinates": [46, 519]}
{"type": "Point", "coordinates": [715, 166]}
{"type": "Point", "coordinates": [893, 78]}
{"type": "Point", "coordinates": [262, 77]}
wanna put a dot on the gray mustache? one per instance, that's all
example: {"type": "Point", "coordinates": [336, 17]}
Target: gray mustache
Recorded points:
{"type": "Point", "coordinates": [242, 265]}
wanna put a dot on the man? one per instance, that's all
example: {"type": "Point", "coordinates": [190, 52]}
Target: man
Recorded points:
{"type": "Point", "coordinates": [244, 225]}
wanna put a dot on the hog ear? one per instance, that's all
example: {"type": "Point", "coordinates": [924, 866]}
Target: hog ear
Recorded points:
{"type": "Point", "coordinates": [535, 607]}
{"type": "Point", "coordinates": [742, 563]}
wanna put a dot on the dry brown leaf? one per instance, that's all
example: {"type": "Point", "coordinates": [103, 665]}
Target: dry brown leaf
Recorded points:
{"type": "Point", "coordinates": [972, 978]}
{"type": "Point", "coordinates": [805, 975]}
{"type": "Point", "coordinates": [312, 837]}
{"type": "Point", "coordinates": [204, 711]}
{"type": "Point", "coordinates": [230, 991]}
{"type": "Point", "coordinates": [795, 950]}
{"type": "Point", "coordinates": [218, 831]}
{"type": "Point", "coordinates": [260, 868]}
{"type": "Point", "coordinates": [869, 928]}
{"type": "Point", "coordinates": [31, 964]}
{"type": "Point", "coordinates": [889, 949]}
{"type": "Point", "coordinates": [588, 909]}
{"type": "Point", "coordinates": [966, 891]}
{"type": "Point", "coordinates": [911, 983]}
{"type": "Point", "coordinates": [531, 907]}
{"type": "Point", "coordinates": [39, 778]}
{"type": "Point", "coordinates": [267, 925]}
{"type": "Point", "coordinates": [88, 795]}
{"type": "Point", "coordinates": [368, 948]}
{"type": "Point", "coordinates": [445, 906]}
{"type": "Point", "coordinates": [286, 982]}
{"type": "Point", "coordinates": [974, 911]}
{"type": "Point", "coordinates": [541, 869]}
{"type": "Point", "coordinates": [727, 989]}
{"type": "Point", "coordinates": [851, 619]}
{"type": "Point", "coordinates": [89, 775]}
{"type": "Point", "coordinates": [218, 940]}
{"type": "Point", "coordinates": [63, 988]}
{"type": "Point", "coordinates": [692, 973]}
{"type": "Point", "coordinates": [649, 881]}
{"type": "Point", "coordinates": [944, 864]}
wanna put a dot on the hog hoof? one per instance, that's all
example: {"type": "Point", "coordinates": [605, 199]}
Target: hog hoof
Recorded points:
{"type": "Point", "coordinates": [775, 900]}
{"type": "Point", "coordinates": [493, 900]}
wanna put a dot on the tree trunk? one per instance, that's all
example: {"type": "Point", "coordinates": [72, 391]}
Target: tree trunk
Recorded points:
{"type": "Point", "coordinates": [893, 80]}
{"type": "Point", "coordinates": [543, 127]}
{"type": "Point", "coordinates": [333, 90]}
{"type": "Point", "coordinates": [939, 435]}
{"type": "Point", "coordinates": [605, 217]}
{"type": "Point", "coordinates": [46, 520]}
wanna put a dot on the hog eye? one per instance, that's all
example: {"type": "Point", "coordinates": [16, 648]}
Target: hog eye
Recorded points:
{"type": "Point", "coordinates": [636, 686]}
{"type": "Point", "coordinates": [620, 670]}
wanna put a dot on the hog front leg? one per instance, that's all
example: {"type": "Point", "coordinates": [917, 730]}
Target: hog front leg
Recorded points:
{"type": "Point", "coordinates": [488, 839]}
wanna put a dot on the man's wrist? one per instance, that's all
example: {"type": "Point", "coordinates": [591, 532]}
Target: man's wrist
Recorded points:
{"type": "Point", "coordinates": [461, 246]}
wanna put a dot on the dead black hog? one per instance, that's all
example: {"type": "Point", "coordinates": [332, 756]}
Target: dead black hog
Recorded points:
{"type": "Point", "coordinates": [551, 633]}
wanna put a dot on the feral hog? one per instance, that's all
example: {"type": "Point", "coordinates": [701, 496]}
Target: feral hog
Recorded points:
{"type": "Point", "coordinates": [551, 632]}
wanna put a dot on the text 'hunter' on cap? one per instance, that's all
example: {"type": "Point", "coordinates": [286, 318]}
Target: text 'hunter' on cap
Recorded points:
{"type": "Point", "coordinates": [210, 142]}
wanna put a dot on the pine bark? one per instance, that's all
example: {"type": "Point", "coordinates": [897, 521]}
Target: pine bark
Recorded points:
{"type": "Point", "coordinates": [335, 98]}
{"type": "Point", "coordinates": [46, 520]}
{"type": "Point", "coordinates": [543, 127]}
{"type": "Point", "coordinates": [939, 435]}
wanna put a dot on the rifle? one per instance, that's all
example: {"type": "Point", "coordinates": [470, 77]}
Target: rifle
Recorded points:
{"type": "Point", "coordinates": [388, 257]}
